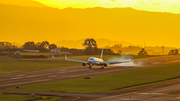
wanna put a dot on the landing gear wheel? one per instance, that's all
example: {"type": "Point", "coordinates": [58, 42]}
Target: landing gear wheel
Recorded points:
{"type": "Point", "coordinates": [102, 67]}
{"type": "Point", "coordinates": [90, 66]}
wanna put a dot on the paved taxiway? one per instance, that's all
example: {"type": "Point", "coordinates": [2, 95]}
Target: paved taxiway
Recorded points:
{"type": "Point", "coordinates": [161, 93]}
{"type": "Point", "coordinates": [24, 78]}
{"type": "Point", "coordinates": [17, 79]}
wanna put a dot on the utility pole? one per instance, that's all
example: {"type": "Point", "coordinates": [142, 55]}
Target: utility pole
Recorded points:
{"type": "Point", "coordinates": [162, 50]}
{"type": "Point", "coordinates": [144, 45]}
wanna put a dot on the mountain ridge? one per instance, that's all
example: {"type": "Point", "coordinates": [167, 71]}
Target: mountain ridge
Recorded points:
{"type": "Point", "coordinates": [101, 42]}
{"type": "Point", "coordinates": [26, 3]}
{"type": "Point", "coordinates": [125, 24]}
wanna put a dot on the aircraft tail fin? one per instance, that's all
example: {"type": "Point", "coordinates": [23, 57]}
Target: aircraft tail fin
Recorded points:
{"type": "Point", "coordinates": [101, 54]}
{"type": "Point", "coordinates": [65, 57]}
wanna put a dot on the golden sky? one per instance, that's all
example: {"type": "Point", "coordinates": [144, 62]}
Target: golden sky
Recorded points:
{"type": "Point", "coordinates": [172, 6]}
{"type": "Point", "coordinates": [22, 24]}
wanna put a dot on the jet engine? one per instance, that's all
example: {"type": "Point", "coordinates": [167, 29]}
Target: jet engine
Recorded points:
{"type": "Point", "coordinates": [105, 65]}
{"type": "Point", "coordinates": [84, 64]}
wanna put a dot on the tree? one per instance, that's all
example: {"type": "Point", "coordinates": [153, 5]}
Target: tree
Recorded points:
{"type": "Point", "coordinates": [89, 51]}
{"type": "Point", "coordinates": [173, 52]}
{"type": "Point", "coordinates": [45, 44]}
{"type": "Point", "coordinates": [119, 52]}
{"type": "Point", "coordinates": [29, 46]}
{"type": "Point", "coordinates": [38, 45]}
{"type": "Point", "coordinates": [142, 52]}
{"type": "Point", "coordinates": [90, 47]}
{"type": "Point", "coordinates": [42, 46]}
{"type": "Point", "coordinates": [90, 43]}
{"type": "Point", "coordinates": [52, 46]}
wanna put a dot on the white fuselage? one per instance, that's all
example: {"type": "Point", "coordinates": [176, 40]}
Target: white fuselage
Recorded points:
{"type": "Point", "coordinates": [94, 60]}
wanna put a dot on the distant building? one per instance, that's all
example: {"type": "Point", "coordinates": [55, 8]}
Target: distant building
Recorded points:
{"type": "Point", "coordinates": [55, 51]}
{"type": "Point", "coordinates": [31, 51]}
{"type": "Point", "coordinates": [58, 51]}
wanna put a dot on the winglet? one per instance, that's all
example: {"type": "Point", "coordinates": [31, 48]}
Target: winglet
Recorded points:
{"type": "Point", "coordinates": [101, 54]}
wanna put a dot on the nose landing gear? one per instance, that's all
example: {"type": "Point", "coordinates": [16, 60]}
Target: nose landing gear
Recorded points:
{"type": "Point", "coordinates": [90, 65]}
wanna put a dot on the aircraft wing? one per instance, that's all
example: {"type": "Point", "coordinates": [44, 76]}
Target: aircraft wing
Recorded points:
{"type": "Point", "coordinates": [113, 62]}
{"type": "Point", "coordinates": [118, 62]}
{"type": "Point", "coordinates": [74, 60]}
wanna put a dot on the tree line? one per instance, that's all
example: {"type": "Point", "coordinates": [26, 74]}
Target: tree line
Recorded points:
{"type": "Point", "coordinates": [43, 46]}
{"type": "Point", "coordinates": [90, 48]}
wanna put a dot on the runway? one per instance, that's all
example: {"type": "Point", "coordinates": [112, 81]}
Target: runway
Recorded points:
{"type": "Point", "coordinates": [18, 79]}
{"type": "Point", "coordinates": [33, 77]}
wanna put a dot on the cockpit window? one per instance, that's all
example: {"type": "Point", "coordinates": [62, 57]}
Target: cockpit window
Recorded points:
{"type": "Point", "coordinates": [91, 58]}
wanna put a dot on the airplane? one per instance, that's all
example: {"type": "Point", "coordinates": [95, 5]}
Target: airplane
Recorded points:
{"type": "Point", "coordinates": [96, 61]}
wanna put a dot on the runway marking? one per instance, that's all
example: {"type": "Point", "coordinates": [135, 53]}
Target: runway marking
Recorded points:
{"type": "Point", "coordinates": [62, 70]}
{"type": "Point", "coordinates": [40, 75]}
{"type": "Point", "coordinates": [16, 78]}
{"type": "Point", "coordinates": [20, 75]}
{"type": "Point", "coordinates": [72, 71]}
{"type": "Point", "coordinates": [33, 76]}
{"type": "Point", "coordinates": [130, 99]}
{"type": "Point", "coordinates": [144, 93]}
{"type": "Point", "coordinates": [53, 76]}
{"type": "Point", "coordinates": [159, 94]}
{"type": "Point", "coordinates": [24, 83]}
{"type": "Point", "coordinates": [153, 93]}
{"type": "Point", "coordinates": [156, 62]}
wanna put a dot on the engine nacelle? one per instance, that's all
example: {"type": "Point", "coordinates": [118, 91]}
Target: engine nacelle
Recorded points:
{"type": "Point", "coordinates": [105, 65]}
{"type": "Point", "coordinates": [84, 64]}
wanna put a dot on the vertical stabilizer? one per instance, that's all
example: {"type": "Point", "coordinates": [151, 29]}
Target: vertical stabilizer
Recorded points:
{"type": "Point", "coordinates": [101, 54]}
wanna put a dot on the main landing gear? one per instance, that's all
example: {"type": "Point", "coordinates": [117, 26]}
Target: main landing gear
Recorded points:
{"type": "Point", "coordinates": [102, 67]}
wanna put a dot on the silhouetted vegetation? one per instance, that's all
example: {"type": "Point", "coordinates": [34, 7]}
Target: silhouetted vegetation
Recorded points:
{"type": "Point", "coordinates": [156, 50]}
{"type": "Point", "coordinates": [173, 52]}
{"type": "Point", "coordinates": [7, 46]}
{"type": "Point", "coordinates": [41, 46]}
{"type": "Point", "coordinates": [30, 46]}
{"type": "Point", "coordinates": [143, 52]}
{"type": "Point", "coordinates": [91, 48]}
{"type": "Point", "coordinates": [52, 46]}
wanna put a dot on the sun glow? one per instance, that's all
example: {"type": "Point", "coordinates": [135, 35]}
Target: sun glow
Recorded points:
{"type": "Point", "coordinates": [172, 6]}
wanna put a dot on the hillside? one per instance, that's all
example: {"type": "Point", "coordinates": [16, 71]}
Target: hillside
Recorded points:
{"type": "Point", "coordinates": [120, 24]}
{"type": "Point", "coordinates": [100, 43]}
{"type": "Point", "coordinates": [28, 3]}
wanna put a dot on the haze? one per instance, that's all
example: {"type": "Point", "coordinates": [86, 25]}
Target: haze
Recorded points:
{"type": "Point", "coordinates": [23, 21]}
{"type": "Point", "coordinates": [149, 5]}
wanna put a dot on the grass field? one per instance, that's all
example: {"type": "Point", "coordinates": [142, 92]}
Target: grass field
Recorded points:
{"type": "Point", "coordinates": [31, 65]}
{"type": "Point", "coordinates": [110, 81]}
{"type": "Point", "coordinates": [10, 65]}
{"type": "Point", "coordinates": [7, 97]}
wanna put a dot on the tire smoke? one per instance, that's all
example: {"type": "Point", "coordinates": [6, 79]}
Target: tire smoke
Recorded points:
{"type": "Point", "coordinates": [125, 58]}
